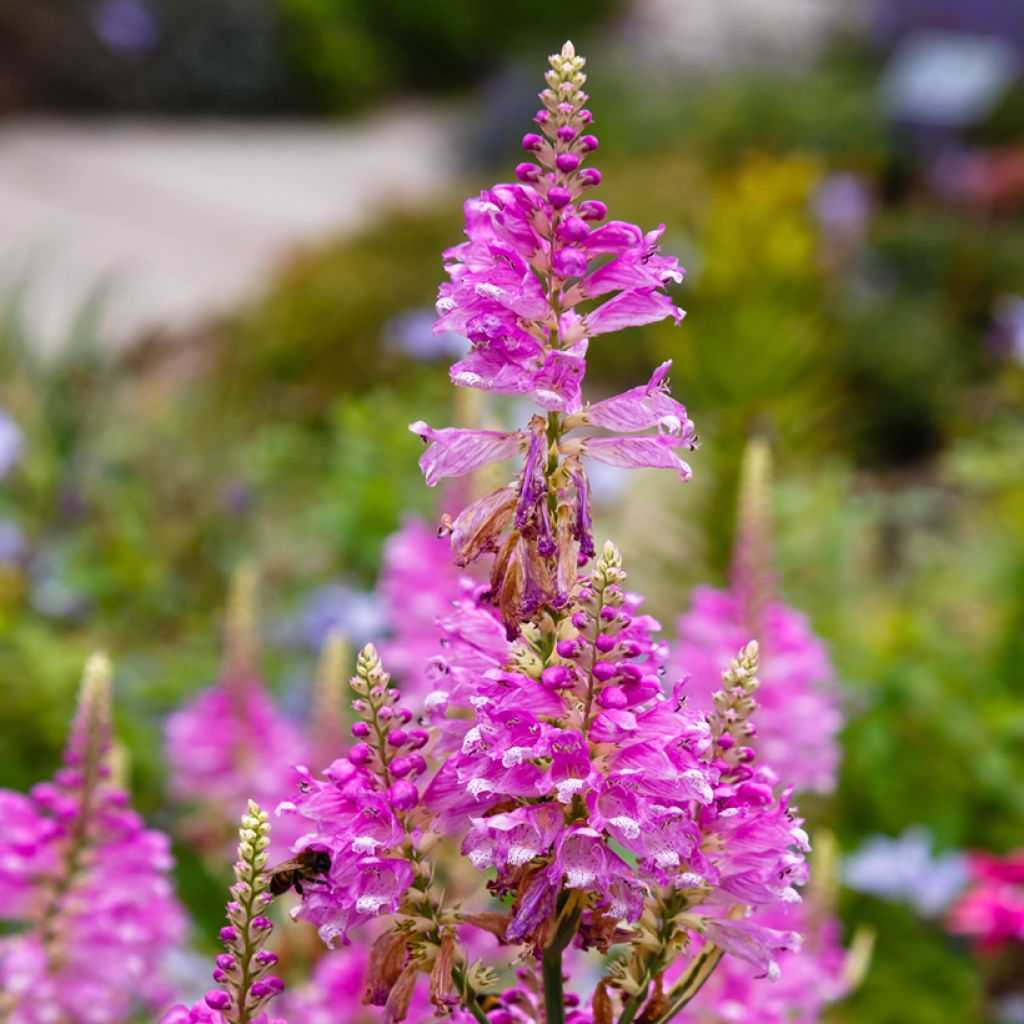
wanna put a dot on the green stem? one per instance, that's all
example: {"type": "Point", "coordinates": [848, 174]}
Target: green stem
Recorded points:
{"type": "Point", "coordinates": [554, 998]}
{"type": "Point", "coordinates": [469, 997]}
{"type": "Point", "coordinates": [692, 981]}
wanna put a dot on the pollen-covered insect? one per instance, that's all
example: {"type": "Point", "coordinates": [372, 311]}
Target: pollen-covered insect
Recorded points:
{"type": "Point", "coordinates": [307, 866]}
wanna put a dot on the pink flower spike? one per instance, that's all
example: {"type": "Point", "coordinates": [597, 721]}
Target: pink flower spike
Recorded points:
{"type": "Point", "coordinates": [455, 452]}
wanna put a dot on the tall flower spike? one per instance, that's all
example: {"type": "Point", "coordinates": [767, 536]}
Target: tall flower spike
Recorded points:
{"type": "Point", "coordinates": [602, 809]}
{"type": "Point", "coordinates": [328, 718]}
{"type": "Point", "coordinates": [88, 884]}
{"type": "Point", "coordinates": [753, 578]}
{"type": "Point", "coordinates": [799, 717]}
{"type": "Point", "coordinates": [531, 257]}
{"type": "Point", "coordinates": [240, 623]}
{"type": "Point", "coordinates": [230, 742]}
{"type": "Point", "coordinates": [244, 972]}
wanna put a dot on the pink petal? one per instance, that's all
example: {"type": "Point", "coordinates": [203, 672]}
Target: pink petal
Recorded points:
{"type": "Point", "coordinates": [455, 452]}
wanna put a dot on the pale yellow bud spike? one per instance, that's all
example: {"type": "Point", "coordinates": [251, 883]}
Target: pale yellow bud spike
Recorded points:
{"type": "Point", "coordinates": [329, 695]}
{"type": "Point", "coordinates": [753, 557]}
{"type": "Point", "coordinates": [240, 623]}
{"type": "Point", "coordinates": [90, 736]}
{"type": "Point", "coordinates": [120, 766]}
{"type": "Point", "coordinates": [858, 957]}
{"type": "Point", "coordinates": [92, 721]}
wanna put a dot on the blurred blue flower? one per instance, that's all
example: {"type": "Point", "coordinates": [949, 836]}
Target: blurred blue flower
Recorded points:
{"type": "Point", "coordinates": [842, 205]}
{"type": "Point", "coordinates": [1007, 335]}
{"type": "Point", "coordinates": [12, 443]}
{"type": "Point", "coordinates": [413, 334]}
{"type": "Point", "coordinates": [358, 614]}
{"type": "Point", "coordinates": [905, 868]}
{"type": "Point", "coordinates": [13, 545]}
{"type": "Point", "coordinates": [126, 26]}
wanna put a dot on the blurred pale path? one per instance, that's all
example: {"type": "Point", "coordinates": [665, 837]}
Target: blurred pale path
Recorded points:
{"type": "Point", "coordinates": [175, 221]}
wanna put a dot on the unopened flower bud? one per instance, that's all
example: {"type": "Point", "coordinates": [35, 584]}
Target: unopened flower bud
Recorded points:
{"type": "Point", "coordinates": [567, 648]}
{"type": "Point", "coordinates": [592, 209]}
{"type": "Point", "coordinates": [225, 961]}
{"type": "Point", "coordinates": [605, 670]}
{"type": "Point", "coordinates": [589, 143]}
{"type": "Point", "coordinates": [554, 677]}
{"type": "Point", "coordinates": [403, 795]}
{"type": "Point", "coordinates": [360, 729]}
{"type": "Point", "coordinates": [567, 162]}
{"type": "Point", "coordinates": [590, 176]}
{"type": "Point", "coordinates": [527, 172]}
{"type": "Point", "coordinates": [604, 643]}
{"type": "Point", "coordinates": [217, 999]}
{"type": "Point", "coordinates": [418, 738]}
{"type": "Point", "coordinates": [532, 142]}
{"type": "Point", "coordinates": [573, 229]}
{"type": "Point", "coordinates": [613, 697]}
{"type": "Point", "coordinates": [398, 737]}
{"type": "Point", "coordinates": [360, 754]}
{"type": "Point", "coordinates": [559, 197]}
{"type": "Point", "coordinates": [260, 923]}
{"type": "Point", "coordinates": [228, 934]}
{"type": "Point", "coordinates": [400, 767]}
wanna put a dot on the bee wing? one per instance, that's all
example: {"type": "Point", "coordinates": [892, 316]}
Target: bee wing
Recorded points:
{"type": "Point", "coordinates": [286, 865]}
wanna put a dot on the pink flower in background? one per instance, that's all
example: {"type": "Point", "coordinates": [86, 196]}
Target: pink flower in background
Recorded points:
{"type": "Point", "coordinates": [992, 908]}
{"type": "Point", "coordinates": [230, 744]}
{"type": "Point", "coordinates": [89, 884]}
{"type": "Point", "coordinates": [798, 718]}
{"type": "Point", "coordinates": [809, 980]}
{"type": "Point", "coordinates": [799, 714]}
{"type": "Point", "coordinates": [336, 988]}
{"type": "Point", "coordinates": [418, 584]}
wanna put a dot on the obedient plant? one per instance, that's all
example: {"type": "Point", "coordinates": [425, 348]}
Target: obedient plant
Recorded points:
{"type": "Point", "coordinates": [230, 744]}
{"type": "Point", "coordinates": [245, 970]}
{"type": "Point", "coordinates": [799, 717]}
{"type": "Point", "coordinates": [588, 795]}
{"type": "Point", "coordinates": [88, 885]}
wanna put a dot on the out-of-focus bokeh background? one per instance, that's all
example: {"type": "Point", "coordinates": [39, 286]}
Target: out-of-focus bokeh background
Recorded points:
{"type": "Point", "coordinates": [220, 228]}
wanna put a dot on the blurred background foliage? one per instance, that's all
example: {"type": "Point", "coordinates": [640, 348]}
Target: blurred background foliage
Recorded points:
{"type": "Point", "coordinates": [835, 301]}
{"type": "Point", "coordinates": [261, 56]}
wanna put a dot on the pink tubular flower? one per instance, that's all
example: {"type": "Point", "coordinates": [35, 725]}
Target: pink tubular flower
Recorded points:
{"type": "Point", "coordinates": [591, 753]}
{"type": "Point", "coordinates": [80, 869]}
{"type": "Point", "coordinates": [799, 717]}
{"type": "Point", "coordinates": [810, 979]}
{"type": "Point", "coordinates": [991, 911]}
{"type": "Point", "coordinates": [357, 813]}
{"type": "Point", "coordinates": [230, 744]}
{"type": "Point", "coordinates": [418, 584]}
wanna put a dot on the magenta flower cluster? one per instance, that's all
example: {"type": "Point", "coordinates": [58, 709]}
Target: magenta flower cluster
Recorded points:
{"type": "Point", "coordinates": [88, 884]}
{"type": "Point", "coordinates": [230, 744]}
{"type": "Point", "coordinates": [535, 254]}
{"type": "Point", "coordinates": [601, 807]}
